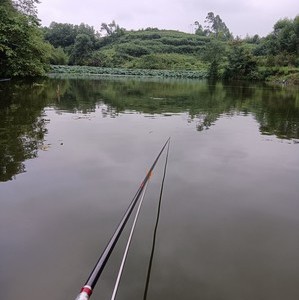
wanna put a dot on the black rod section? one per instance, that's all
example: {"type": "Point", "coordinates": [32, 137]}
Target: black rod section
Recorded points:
{"type": "Point", "coordinates": [98, 269]}
{"type": "Point", "coordinates": [149, 269]}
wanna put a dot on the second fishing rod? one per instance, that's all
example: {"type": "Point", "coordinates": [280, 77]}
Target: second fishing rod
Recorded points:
{"type": "Point", "coordinates": [87, 289]}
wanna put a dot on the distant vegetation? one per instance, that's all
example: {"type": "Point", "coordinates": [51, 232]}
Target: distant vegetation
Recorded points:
{"type": "Point", "coordinates": [88, 70]}
{"type": "Point", "coordinates": [27, 49]}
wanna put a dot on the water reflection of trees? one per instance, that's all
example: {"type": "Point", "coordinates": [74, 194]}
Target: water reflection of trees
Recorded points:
{"type": "Point", "coordinates": [279, 114]}
{"type": "Point", "coordinates": [275, 108]}
{"type": "Point", "coordinates": [22, 127]}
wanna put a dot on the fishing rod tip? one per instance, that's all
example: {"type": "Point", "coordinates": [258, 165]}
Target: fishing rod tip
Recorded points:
{"type": "Point", "coordinates": [85, 293]}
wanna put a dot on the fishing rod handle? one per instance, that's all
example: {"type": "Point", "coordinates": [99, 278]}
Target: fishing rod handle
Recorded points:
{"type": "Point", "coordinates": [85, 293]}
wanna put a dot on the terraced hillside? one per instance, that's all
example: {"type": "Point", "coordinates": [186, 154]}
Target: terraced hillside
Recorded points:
{"type": "Point", "coordinates": [152, 49]}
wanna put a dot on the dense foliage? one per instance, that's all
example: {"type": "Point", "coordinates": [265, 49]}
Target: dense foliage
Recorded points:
{"type": "Point", "coordinates": [211, 50]}
{"type": "Point", "coordinates": [26, 49]}
{"type": "Point", "coordinates": [23, 51]}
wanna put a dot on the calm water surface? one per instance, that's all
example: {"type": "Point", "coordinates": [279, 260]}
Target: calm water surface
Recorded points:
{"type": "Point", "coordinates": [72, 155]}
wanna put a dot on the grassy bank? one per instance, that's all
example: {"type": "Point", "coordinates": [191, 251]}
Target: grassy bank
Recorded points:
{"type": "Point", "coordinates": [283, 75]}
{"type": "Point", "coordinates": [86, 70]}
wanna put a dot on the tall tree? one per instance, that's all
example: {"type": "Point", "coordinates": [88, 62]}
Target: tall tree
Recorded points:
{"type": "Point", "coordinates": [199, 30]}
{"type": "Point", "coordinates": [216, 27]}
{"type": "Point", "coordinates": [82, 49]}
{"type": "Point", "coordinates": [27, 7]}
{"type": "Point", "coordinates": [214, 53]}
{"type": "Point", "coordinates": [285, 34]}
{"type": "Point", "coordinates": [112, 29]}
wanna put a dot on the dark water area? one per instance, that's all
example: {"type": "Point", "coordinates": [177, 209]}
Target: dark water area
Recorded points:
{"type": "Point", "coordinates": [74, 151]}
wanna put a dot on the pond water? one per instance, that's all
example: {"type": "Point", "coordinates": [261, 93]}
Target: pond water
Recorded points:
{"type": "Point", "coordinates": [74, 151]}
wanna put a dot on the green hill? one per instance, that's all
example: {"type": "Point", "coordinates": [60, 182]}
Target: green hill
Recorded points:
{"type": "Point", "coordinates": [28, 50]}
{"type": "Point", "coordinates": [211, 52]}
{"type": "Point", "coordinates": [151, 49]}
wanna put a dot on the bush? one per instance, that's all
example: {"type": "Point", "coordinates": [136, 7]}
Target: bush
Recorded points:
{"type": "Point", "coordinates": [58, 57]}
{"type": "Point", "coordinates": [167, 61]}
{"type": "Point", "coordinates": [132, 50]}
{"type": "Point", "coordinates": [241, 63]}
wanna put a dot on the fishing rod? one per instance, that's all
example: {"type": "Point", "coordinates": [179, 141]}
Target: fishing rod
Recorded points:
{"type": "Point", "coordinates": [149, 269]}
{"type": "Point", "coordinates": [128, 245]}
{"type": "Point", "coordinates": [87, 289]}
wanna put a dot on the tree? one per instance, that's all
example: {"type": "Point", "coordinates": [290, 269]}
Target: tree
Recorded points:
{"type": "Point", "coordinates": [281, 46]}
{"type": "Point", "coordinates": [112, 29]}
{"type": "Point", "coordinates": [241, 63]}
{"type": "Point", "coordinates": [27, 7]}
{"type": "Point", "coordinates": [199, 30]}
{"type": "Point", "coordinates": [71, 39]}
{"type": "Point", "coordinates": [214, 53]}
{"type": "Point", "coordinates": [23, 51]}
{"type": "Point", "coordinates": [82, 49]}
{"type": "Point", "coordinates": [252, 39]}
{"type": "Point", "coordinates": [287, 39]}
{"type": "Point", "coordinates": [283, 38]}
{"type": "Point", "coordinates": [216, 27]}
{"type": "Point", "coordinates": [58, 56]}
{"type": "Point", "coordinates": [60, 34]}
{"type": "Point", "coordinates": [88, 30]}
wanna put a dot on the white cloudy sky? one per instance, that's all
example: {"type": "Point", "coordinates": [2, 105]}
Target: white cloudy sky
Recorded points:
{"type": "Point", "coordinates": [241, 16]}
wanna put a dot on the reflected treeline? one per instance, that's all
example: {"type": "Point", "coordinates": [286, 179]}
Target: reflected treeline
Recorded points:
{"type": "Point", "coordinates": [275, 108]}
{"type": "Point", "coordinates": [23, 125]}
{"type": "Point", "coordinates": [279, 113]}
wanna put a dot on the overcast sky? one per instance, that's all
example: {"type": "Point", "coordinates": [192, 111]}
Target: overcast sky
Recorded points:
{"type": "Point", "coordinates": [241, 17]}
